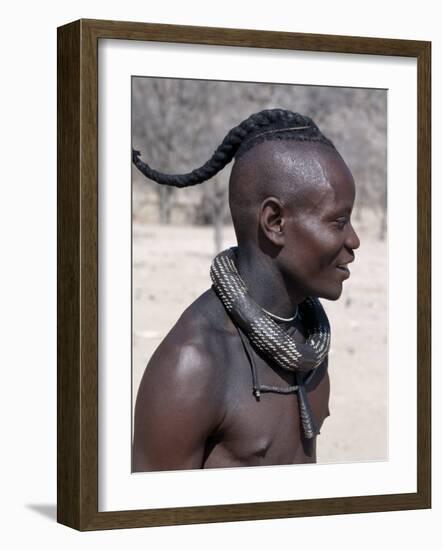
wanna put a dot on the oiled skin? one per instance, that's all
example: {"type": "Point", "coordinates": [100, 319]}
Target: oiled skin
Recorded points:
{"type": "Point", "coordinates": [195, 407]}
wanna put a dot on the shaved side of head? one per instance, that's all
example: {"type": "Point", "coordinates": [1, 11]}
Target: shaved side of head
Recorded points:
{"type": "Point", "coordinates": [286, 170]}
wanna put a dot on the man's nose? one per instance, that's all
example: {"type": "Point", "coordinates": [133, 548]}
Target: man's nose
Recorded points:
{"type": "Point", "coordinates": [352, 240]}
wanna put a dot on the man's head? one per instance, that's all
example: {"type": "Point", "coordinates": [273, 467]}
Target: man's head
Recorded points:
{"type": "Point", "coordinates": [292, 200]}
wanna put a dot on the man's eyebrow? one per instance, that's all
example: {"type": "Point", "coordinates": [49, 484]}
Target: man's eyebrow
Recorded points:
{"type": "Point", "coordinates": [342, 210]}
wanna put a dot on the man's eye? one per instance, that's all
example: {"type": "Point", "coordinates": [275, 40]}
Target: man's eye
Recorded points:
{"type": "Point", "coordinates": [341, 222]}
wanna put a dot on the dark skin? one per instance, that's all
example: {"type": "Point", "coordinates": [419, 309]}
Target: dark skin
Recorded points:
{"type": "Point", "coordinates": [291, 204]}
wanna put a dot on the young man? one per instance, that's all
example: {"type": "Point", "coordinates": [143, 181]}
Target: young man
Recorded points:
{"type": "Point", "coordinates": [241, 379]}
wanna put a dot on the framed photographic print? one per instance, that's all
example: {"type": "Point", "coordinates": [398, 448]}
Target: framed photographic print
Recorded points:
{"type": "Point", "coordinates": [212, 185]}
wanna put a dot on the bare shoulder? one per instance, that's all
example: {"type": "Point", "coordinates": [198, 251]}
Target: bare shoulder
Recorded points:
{"type": "Point", "coordinates": [181, 401]}
{"type": "Point", "coordinates": [187, 366]}
{"type": "Point", "coordinates": [190, 352]}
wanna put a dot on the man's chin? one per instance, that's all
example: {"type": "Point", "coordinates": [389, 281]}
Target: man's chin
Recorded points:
{"type": "Point", "coordinates": [332, 294]}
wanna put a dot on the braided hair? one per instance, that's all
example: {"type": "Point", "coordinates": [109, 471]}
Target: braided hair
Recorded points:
{"type": "Point", "coordinates": [271, 124]}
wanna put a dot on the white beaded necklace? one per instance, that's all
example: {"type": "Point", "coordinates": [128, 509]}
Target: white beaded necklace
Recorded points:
{"type": "Point", "coordinates": [277, 318]}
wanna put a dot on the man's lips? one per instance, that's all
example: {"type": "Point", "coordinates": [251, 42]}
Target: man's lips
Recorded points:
{"type": "Point", "coordinates": [344, 263]}
{"type": "Point", "coordinates": [344, 269]}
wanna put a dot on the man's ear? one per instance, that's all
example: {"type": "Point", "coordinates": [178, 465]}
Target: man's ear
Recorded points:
{"type": "Point", "coordinates": [272, 220]}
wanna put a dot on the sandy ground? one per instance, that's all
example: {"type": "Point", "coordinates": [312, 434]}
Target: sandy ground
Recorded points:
{"type": "Point", "coordinates": [171, 269]}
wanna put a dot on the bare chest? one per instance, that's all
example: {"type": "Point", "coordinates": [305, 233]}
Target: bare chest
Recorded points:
{"type": "Point", "coordinates": [264, 431]}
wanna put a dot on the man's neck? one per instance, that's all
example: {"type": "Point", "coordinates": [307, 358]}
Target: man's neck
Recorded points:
{"type": "Point", "coordinates": [265, 283]}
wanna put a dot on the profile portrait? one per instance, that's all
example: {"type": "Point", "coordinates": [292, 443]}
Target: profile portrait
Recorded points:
{"type": "Point", "coordinates": [259, 274]}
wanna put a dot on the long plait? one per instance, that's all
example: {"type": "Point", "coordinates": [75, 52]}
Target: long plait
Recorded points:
{"type": "Point", "coordinates": [262, 126]}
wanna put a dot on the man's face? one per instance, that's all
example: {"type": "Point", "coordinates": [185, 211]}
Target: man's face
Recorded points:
{"type": "Point", "coordinates": [319, 238]}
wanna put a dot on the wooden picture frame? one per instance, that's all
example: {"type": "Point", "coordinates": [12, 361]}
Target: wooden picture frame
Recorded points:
{"type": "Point", "coordinates": [77, 226]}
